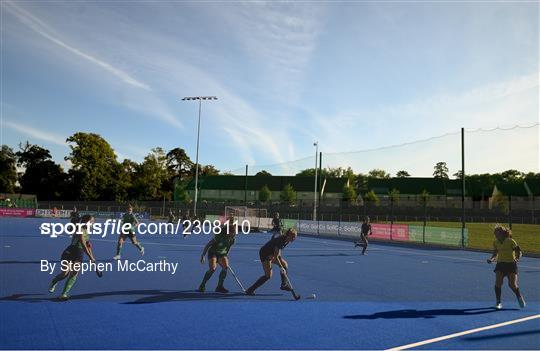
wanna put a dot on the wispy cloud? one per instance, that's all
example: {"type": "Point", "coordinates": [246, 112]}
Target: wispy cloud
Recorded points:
{"type": "Point", "coordinates": [44, 30]}
{"type": "Point", "coordinates": [35, 133]}
{"type": "Point", "coordinates": [280, 39]}
{"type": "Point", "coordinates": [141, 98]}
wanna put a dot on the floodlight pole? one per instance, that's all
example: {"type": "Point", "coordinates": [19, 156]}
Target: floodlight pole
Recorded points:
{"type": "Point", "coordinates": [200, 98]}
{"type": "Point", "coordinates": [462, 187]}
{"type": "Point", "coordinates": [316, 144]}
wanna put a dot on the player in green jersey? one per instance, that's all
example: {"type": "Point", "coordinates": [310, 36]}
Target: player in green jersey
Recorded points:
{"type": "Point", "coordinates": [129, 218]}
{"type": "Point", "coordinates": [218, 249]}
{"type": "Point", "coordinates": [80, 245]}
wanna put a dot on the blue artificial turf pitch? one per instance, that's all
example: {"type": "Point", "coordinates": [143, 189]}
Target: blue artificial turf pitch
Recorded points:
{"type": "Point", "coordinates": [394, 296]}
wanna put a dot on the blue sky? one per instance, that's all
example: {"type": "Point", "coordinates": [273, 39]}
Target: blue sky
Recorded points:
{"type": "Point", "coordinates": [352, 75]}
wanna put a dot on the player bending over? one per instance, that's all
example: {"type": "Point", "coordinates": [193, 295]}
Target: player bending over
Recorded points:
{"type": "Point", "coordinates": [364, 232]}
{"type": "Point", "coordinates": [271, 253]}
{"type": "Point", "coordinates": [218, 249]}
{"type": "Point", "coordinates": [506, 253]}
{"type": "Point", "coordinates": [129, 218]}
{"type": "Point", "coordinates": [80, 245]}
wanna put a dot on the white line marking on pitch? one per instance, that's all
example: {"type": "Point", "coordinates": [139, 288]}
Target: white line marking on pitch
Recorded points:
{"type": "Point", "coordinates": [238, 247]}
{"type": "Point", "coordinates": [326, 249]}
{"type": "Point", "coordinates": [449, 257]}
{"type": "Point", "coordinates": [7, 246]}
{"type": "Point", "coordinates": [419, 253]}
{"type": "Point", "coordinates": [455, 335]}
{"type": "Point", "coordinates": [349, 261]}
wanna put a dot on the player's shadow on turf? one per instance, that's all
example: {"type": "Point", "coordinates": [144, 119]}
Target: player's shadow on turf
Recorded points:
{"type": "Point", "coordinates": [41, 298]}
{"type": "Point", "coordinates": [149, 296]}
{"type": "Point", "coordinates": [191, 295]}
{"type": "Point", "coordinates": [322, 255]}
{"type": "Point", "coordinates": [399, 314]}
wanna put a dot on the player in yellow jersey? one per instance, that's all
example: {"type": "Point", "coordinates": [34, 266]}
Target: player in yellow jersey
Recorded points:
{"type": "Point", "coordinates": [506, 253]}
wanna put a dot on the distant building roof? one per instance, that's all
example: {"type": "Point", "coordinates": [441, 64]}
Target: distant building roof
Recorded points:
{"type": "Point", "coordinates": [533, 185]}
{"type": "Point", "coordinates": [414, 186]}
{"type": "Point", "coordinates": [511, 188]}
{"type": "Point", "coordinates": [274, 183]}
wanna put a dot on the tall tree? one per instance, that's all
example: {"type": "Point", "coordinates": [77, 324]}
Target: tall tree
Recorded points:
{"type": "Point", "coordinates": [179, 163]}
{"type": "Point", "coordinates": [125, 176]}
{"type": "Point", "coordinates": [329, 172]}
{"type": "Point", "coordinates": [361, 183]}
{"type": "Point", "coordinates": [308, 172]}
{"type": "Point", "coordinates": [512, 175]}
{"type": "Point", "coordinates": [151, 174]}
{"type": "Point", "coordinates": [288, 194]}
{"type": "Point", "coordinates": [349, 193]}
{"type": "Point", "coordinates": [393, 195]}
{"type": "Point", "coordinates": [208, 170]}
{"type": "Point", "coordinates": [265, 194]}
{"type": "Point", "coordinates": [371, 197]}
{"type": "Point", "coordinates": [41, 175]}
{"type": "Point", "coordinates": [93, 166]}
{"type": "Point", "coordinates": [402, 174]}
{"type": "Point", "coordinates": [440, 170]}
{"type": "Point", "coordinates": [378, 174]}
{"type": "Point", "coordinates": [458, 174]}
{"type": "Point", "coordinates": [263, 173]}
{"type": "Point", "coordinates": [8, 170]}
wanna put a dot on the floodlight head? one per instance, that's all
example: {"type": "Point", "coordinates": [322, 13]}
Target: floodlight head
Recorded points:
{"type": "Point", "coordinates": [187, 98]}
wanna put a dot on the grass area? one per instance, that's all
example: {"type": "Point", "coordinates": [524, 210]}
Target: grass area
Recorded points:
{"type": "Point", "coordinates": [481, 234]}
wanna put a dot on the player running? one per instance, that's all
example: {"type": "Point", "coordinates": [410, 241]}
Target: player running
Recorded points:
{"type": "Point", "coordinates": [218, 249]}
{"type": "Point", "coordinates": [271, 252]}
{"type": "Point", "coordinates": [129, 218]}
{"type": "Point", "coordinates": [276, 225]}
{"type": "Point", "coordinates": [364, 232]}
{"type": "Point", "coordinates": [80, 245]}
{"type": "Point", "coordinates": [506, 253]}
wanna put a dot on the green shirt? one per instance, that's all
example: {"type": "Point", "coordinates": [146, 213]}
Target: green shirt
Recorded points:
{"type": "Point", "coordinates": [222, 243]}
{"type": "Point", "coordinates": [76, 240]}
{"type": "Point", "coordinates": [130, 219]}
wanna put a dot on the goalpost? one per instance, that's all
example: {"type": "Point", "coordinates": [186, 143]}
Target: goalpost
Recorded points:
{"type": "Point", "coordinates": [257, 217]}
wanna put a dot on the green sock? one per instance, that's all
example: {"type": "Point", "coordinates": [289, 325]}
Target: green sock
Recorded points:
{"type": "Point", "coordinates": [118, 249]}
{"type": "Point", "coordinates": [69, 284]}
{"type": "Point", "coordinates": [222, 276]}
{"type": "Point", "coordinates": [59, 277]}
{"type": "Point", "coordinates": [207, 277]}
{"type": "Point", "coordinates": [139, 246]}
